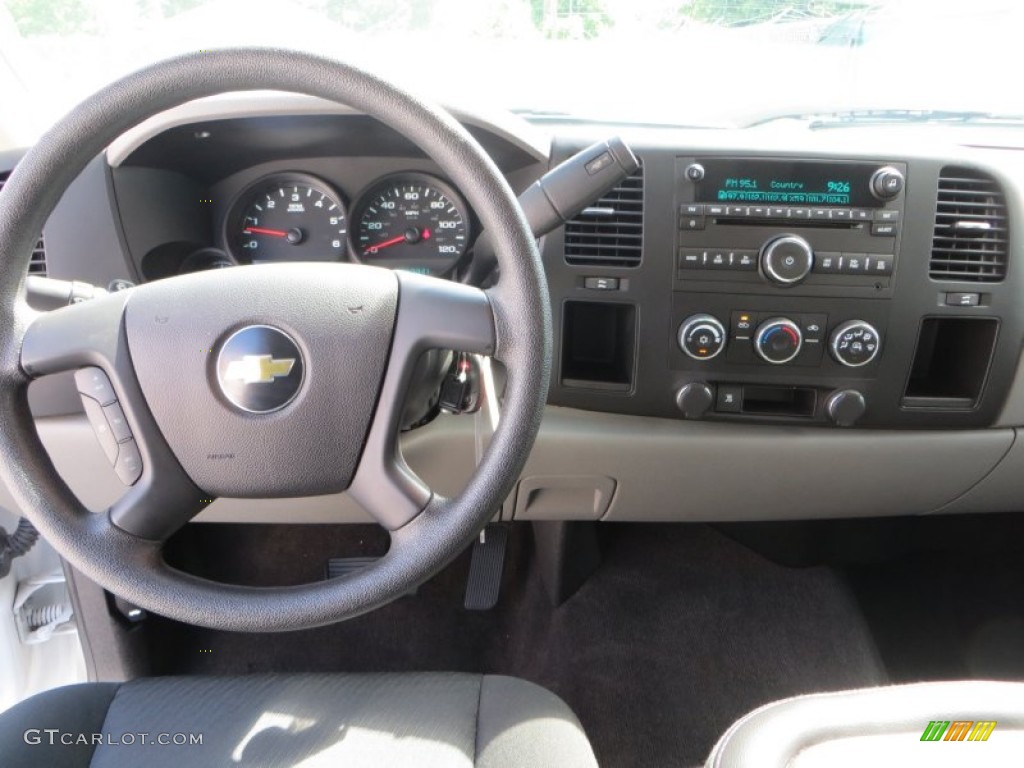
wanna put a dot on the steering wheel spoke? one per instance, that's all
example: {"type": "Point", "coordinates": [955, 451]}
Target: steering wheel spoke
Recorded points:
{"type": "Point", "coordinates": [89, 338]}
{"type": "Point", "coordinates": [86, 334]}
{"type": "Point", "coordinates": [432, 314]}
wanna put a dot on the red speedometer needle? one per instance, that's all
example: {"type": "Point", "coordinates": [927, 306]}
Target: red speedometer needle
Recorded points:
{"type": "Point", "coordinates": [385, 244]}
{"type": "Point", "coordinates": [264, 231]}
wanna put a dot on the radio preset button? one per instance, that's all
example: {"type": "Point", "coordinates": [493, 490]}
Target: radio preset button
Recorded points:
{"type": "Point", "coordinates": [718, 260]}
{"type": "Point", "coordinates": [882, 264]}
{"type": "Point", "coordinates": [799, 213]}
{"type": "Point", "coordinates": [701, 337]}
{"type": "Point", "coordinates": [839, 214]}
{"type": "Point", "coordinates": [779, 213]}
{"type": "Point", "coordinates": [787, 260]}
{"type": "Point", "coordinates": [745, 260]}
{"type": "Point", "coordinates": [828, 262]}
{"type": "Point", "coordinates": [854, 263]}
{"type": "Point", "coordinates": [860, 214]}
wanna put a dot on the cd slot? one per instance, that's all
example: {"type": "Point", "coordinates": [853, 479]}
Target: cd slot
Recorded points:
{"type": "Point", "coordinates": [747, 222]}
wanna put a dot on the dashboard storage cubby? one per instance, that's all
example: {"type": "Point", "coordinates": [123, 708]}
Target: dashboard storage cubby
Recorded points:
{"type": "Point", "coordinates": [598, 345]}
{"type": "Point", "coordinates": [951, 362]}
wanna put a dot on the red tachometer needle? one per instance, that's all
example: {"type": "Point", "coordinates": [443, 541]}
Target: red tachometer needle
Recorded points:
{"type": "Point", "coordinates": [385, 244]}
{"type": "Point", "coordinates": [263, 231]}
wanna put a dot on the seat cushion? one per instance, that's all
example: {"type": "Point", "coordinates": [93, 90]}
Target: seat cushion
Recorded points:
{"type": "Point", "coordinates": [943, 725]}
{"type": "Point", "coordinates": [424, 720]}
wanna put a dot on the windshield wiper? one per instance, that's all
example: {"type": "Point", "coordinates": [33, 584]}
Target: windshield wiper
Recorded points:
{"type": "Point", "coordinates": [897, 116]}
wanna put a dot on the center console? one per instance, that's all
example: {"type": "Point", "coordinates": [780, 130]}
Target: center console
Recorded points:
{"type": "Point", "coordinates": [792, 289]}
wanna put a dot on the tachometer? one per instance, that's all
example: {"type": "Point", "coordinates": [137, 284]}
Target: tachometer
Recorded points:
{"type": "Point", "coordinates": [290, 217]}
{"type": "Point", "coordinates": [412, 221]}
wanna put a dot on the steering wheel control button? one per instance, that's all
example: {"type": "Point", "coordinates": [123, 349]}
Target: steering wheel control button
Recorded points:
{"type": "Point", "coordinates": [778, 340]}
{"type": "Point", "coordinates": [702, 337]}
{"type": "Point", "coordinates": [93, 382]}
{"type": "Point", "coordinates": [117, 422]}
{"type": "Point", "coordinates": [128, 466]}
{"type": "Point", "coordinates": [787, 260]}
{"type": "Point", "coordinates": [98, 421]}
{"type": "Point", "coordinates": [260, 369]}
{"type": "Point", "coordinates": [855, 343]}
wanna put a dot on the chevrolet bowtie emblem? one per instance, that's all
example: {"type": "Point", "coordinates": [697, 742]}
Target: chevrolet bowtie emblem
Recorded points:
{"type": "Point", "coordinates": [258, 369]}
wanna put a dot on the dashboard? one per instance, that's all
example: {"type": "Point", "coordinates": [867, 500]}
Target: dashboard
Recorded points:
{"type": "Point", "coordinates": [754, 325]}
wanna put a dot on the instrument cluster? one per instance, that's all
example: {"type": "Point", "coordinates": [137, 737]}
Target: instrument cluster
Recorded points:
{"type": "Point", "coordinates": [411, 221]}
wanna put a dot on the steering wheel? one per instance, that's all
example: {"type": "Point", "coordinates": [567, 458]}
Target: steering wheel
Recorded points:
{"type": "Point", "coordinates": [264, 381]}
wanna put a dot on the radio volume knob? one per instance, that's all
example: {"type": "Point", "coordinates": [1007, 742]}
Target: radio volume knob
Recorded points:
{"type": "Point", "coordinates": [778, 340]}
{"type": "Point", "coordinates": [786, 260]}
{"type": "Point", "coordinates": [855, 343]}
{"type": "Point", "coordinates": [887, 183]}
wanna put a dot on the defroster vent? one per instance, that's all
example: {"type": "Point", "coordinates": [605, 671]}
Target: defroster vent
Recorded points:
{"type": "Point", "coordinates": [970, 241]}
{"type": "Point", "coordinates": [37, 265]}
{"type": "Point", "coordinates": [610, 232]}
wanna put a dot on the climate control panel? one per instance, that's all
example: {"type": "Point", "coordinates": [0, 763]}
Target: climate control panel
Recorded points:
{"type": "Point", "coordinates": [777, 339]}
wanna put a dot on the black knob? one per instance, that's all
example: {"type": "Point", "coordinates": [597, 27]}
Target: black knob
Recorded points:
{"type": "Point", "coordinates": [695, 172]}
{"type": "Point", "coordinates": [845, 407]}
{"type": "Point", "coordinates": [855, 343]}
{"type": "Point", "coordinates": [702, 337]}
{"type": "Point", "coordinates": [778, 340]}
{"type": "Point", "coordinates": [887, 183]}
{"type": "Point", "coordinates": [786, 260]}
{"type": "Point", "coordinates": [695, 399]}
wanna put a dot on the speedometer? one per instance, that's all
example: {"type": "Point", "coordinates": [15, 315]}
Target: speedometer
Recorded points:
{"type": "Point", "coordinates": [411, 221]}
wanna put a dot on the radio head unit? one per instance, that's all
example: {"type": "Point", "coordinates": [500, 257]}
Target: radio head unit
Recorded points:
{"type": "Point", "coordinates": [810, 227]}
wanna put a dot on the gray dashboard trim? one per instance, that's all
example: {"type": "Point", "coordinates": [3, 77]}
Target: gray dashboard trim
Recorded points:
{"type": "Point", "coordinates": [664, 470]}
{"type": "Point", "coordinates": [505, 125]}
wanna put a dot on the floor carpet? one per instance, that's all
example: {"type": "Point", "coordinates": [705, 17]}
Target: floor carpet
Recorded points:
{"type": "Point", "coordinates": [678, 633]}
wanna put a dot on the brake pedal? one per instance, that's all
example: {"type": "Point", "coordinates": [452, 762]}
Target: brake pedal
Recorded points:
{"type": "Point", "coordinates": [485, 568]}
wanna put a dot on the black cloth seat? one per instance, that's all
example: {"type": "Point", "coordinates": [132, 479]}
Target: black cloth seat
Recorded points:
{"type": "Point", "coordinates": [379, 720]}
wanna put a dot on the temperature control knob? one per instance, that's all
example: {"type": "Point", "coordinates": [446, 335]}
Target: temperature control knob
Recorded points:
{"type": "Point", "coordinates": [778, 340]}
{"type": "Point", "coordinates": [855, 343]}
{"type": "Point", "coordinates": [887, 183]}
{"type": "Point", "coordinates": [786, 260]}
{"type": "Point", "coordinates": [702, 337]}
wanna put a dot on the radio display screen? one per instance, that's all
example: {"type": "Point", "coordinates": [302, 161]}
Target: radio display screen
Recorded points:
{"type": "Point", "coordinates": [784, 182]}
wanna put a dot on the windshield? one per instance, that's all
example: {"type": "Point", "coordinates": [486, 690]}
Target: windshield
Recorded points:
{"type": "Point", "coordinates": [682, 62]}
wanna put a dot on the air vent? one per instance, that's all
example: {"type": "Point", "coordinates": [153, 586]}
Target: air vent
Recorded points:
{"type": "Point", "coordinates": [610, 232]}
{"type": "Point", "coordinates": [37, 265]}
{"type": "Point", "coordinates": [970, 242]}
